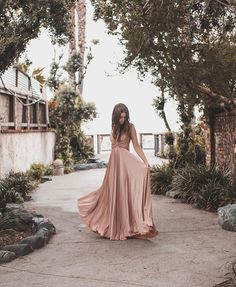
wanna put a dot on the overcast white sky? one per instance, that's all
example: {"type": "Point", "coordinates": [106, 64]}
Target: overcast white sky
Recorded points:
{"type": "Point", "coordinates": [106, 91]}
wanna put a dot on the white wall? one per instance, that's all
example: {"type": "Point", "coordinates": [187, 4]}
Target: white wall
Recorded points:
{"type": "Point", "coordinates": [19, 150]}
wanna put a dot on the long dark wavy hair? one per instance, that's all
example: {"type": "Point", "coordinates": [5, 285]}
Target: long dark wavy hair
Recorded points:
{"type": "Point", "coordinates": [117, 128]}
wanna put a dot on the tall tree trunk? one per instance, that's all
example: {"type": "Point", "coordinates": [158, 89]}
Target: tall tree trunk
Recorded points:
{"type": "Point", "coordinates": [81, 24]}
{"type": "Point", "coordinates": [162, 111]}
{"type": "Point", "coordinates": [72, 47]}
{"type": "Point", "coordinates": [77, 42]}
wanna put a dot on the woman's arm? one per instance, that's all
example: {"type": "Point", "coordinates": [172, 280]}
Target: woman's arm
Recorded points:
{"type": "Point", "coordinates": [137, 146]}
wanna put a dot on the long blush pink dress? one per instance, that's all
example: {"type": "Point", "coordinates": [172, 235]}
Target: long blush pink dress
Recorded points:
{"type": "Point", "coordinates": [121, 207]}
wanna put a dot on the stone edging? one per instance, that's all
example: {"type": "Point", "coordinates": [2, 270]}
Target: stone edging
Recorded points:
{"type": "Point", "coordinates": [15, 217]}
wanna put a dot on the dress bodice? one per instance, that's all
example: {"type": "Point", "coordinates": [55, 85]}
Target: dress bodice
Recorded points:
{"type": "Point", "coordinates": [124, 141]}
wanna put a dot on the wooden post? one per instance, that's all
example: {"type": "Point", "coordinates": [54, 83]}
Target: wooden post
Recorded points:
{"type": "Point", "coordinates": [47, 114]}
{"type": "Point", "coordinates": [98, 144]}
{"type": "Point", "coordinates": [95, 144]}
{"type": "Point", "coordinates": [156, 144]}
{"type": "Point", "coordinates": [15, 103]}
{"type": "Point", "coordinates": [27, 113]}
{"type": "Point", "coordinates": [162, 143]}
{"type": "Point", "coordinates": [37, 114]}
{"type": "Point", "coordinates": [92, 143]}
{"type": "Point", "coordinates": [15, 112]}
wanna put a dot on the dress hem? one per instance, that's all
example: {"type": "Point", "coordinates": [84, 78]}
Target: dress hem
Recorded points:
{"type": "Point", "coordinates": [147, 235]}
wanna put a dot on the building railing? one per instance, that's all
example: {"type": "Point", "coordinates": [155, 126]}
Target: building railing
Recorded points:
{"type": "Point", "coordinates": [158, 146]}
{"type": "Point", "coordinates": [21, 82]}
{"type": "Point", "coordinates": [23, 102]}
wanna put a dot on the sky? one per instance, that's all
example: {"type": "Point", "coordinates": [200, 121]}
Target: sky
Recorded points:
{"type": "Point", "coordinates": [103, 85]}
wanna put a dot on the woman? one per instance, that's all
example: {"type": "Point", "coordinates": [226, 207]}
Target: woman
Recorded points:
{"type": "Point", "coordinates": [121, 208]}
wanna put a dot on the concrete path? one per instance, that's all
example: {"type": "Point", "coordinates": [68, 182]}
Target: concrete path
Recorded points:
{"type": "Point", "coordinates": [191, 250]}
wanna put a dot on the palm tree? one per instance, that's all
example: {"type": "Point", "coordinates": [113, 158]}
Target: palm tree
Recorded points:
{"type": "Point", "coordinates": [77, 42]}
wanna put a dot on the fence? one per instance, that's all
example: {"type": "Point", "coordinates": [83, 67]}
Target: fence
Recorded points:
{"type": "Point", "coordinates": [156, 142]}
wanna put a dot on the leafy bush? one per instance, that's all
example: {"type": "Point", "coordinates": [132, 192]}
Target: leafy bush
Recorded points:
{"type": "Point", "coordinates": [67, 111]}
{"type": "Point", "coordinates": [204, 187]}
{"type": "Point", "coordinates": [14, 187]}
{"type": "Point", "coordinates": [193, 150]}
{"type": "Point", "coordinates": [161, 178]}
{"type": "Point", "coordinates": [8, 196]}
{"type": "Point", "coordinates": [169, 138]}
{"type": "Point", "coordinates": [68, 169]}
{"type": "Point", "coordinates": [37, 170]}
{"type": "Point", "coordinates": [81, 148]}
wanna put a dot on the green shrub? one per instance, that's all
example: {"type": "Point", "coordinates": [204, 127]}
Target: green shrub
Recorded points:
{"type": "Point", "coordinates": [161, 178]}
{"type": "Point", "coordinates": [37, 170]}
{"type": "Point", "coordinates": [14, 187]}
{"type": "Point", "coordinates": [190, 150]}
{"type": "Point", "coordinates": [209, 196]}
{"type": "Point", "coordinates": [68, 169]}
{"type": "Point", "coordinates": [9, 196]}
{"type": "Point", "coordinates": [204, 187]}
{"type": "Point", "coordinates": [169, 138]}
{"type": "Point", "coordinates": [230, 197]}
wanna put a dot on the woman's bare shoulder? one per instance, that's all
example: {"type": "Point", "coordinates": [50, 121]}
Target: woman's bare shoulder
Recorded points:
{"type": "Point", "coordinates": [132, 126]}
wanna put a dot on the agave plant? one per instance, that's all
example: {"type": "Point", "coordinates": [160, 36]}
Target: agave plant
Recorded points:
{"type": "Point", "coordinates": [208, 196]}
{"type": "Point", "coordinates": [14, 188]}
{"type": "Point", "coordinates": [204, 187]}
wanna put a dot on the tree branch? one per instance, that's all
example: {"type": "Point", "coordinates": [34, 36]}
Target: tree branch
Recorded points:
{"type": "Point", "coordinates": [209, 92]}
{"type": "Point", "coordinates": [227, 3]}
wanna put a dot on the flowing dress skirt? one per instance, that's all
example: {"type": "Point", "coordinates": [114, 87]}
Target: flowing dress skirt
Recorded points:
{"type": "Point", "coordinates": [121, 207]}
